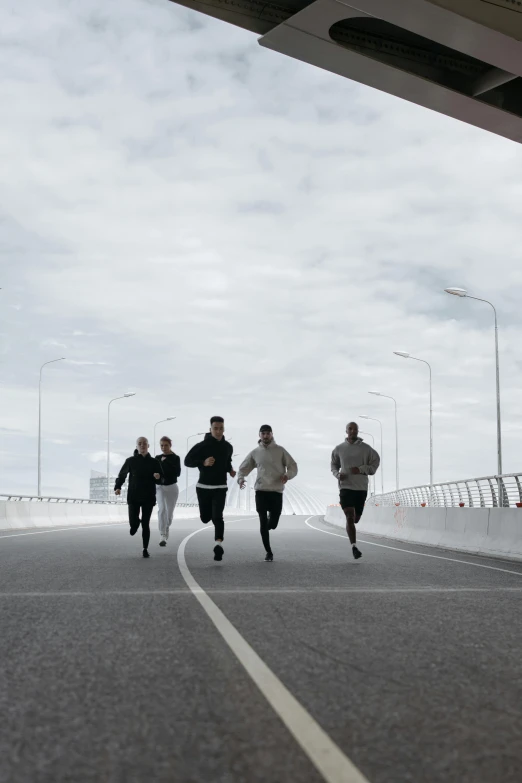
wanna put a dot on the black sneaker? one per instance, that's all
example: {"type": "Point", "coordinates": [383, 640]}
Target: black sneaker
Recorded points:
{"type": "Point", "coordinates": [145, 553]}
{"type": "Point", "coordinates": [163, 541]}
{"type": "Point", "coordinates": [218, 552]}
{"type": "Point", "coordinates": [269, 557]}
{"type": "Point", "coordinates": [356, 553]}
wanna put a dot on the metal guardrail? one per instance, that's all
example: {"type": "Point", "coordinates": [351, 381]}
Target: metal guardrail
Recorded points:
{"type": "Point", "coordinates": [52, 499]}
{"type": "Point", "coordinates": [488, 492]}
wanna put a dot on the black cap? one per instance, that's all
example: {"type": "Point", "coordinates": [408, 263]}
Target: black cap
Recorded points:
{"type": "Point", "coordinates": [265, 428]}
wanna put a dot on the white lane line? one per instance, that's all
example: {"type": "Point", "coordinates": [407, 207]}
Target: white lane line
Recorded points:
{"type": "Point", "coordinates": [420, 554]}
{"type": "Point", "coordinates": [62, 530]}
{"type": "Point", "coordinates": [324, 754]}
{"type": "Point", "coordinates": [182, 591]}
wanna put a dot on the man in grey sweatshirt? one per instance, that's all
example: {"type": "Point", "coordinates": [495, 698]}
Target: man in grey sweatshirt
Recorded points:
{"type": "Point", "coordinates": [275, 467]}
{"type": "Point", "coordinates": [352, 462]}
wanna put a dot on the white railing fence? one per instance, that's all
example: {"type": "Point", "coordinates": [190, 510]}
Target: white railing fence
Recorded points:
{"type": "Point", "coordinates": [51, 499]}
{"type": "Point", "coordinates": [487, 492]}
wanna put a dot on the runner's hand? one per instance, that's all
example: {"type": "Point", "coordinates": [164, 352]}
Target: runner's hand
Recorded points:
{"type": "Point", "coordinates": [242, 485]}
{"type": "Point", "coordinates": [284, 478]}
{"type": "Point", "coordinates": [355, 471]}
{"type": "Point", "coordinates": [117, 491]}
{"type": "Point", "coordinates": [233, 473]}
{"type": "Point", "coordinates": [342, 476]}
{"type": "Point", "coordinates": [209, 462]}
{"type": "Point", "coordinates": [157, 476]}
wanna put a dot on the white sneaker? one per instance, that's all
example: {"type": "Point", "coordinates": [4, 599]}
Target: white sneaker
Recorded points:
{"type": "Point", "coordinates": [163, 541]}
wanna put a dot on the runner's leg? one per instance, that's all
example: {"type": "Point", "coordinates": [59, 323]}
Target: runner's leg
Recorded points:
{"type": "Point", "coordinates": [161, 497]}
{"type": "Point", "coordinates": [172, 499]}
{"type": "Point", "coordinates": [219, 497]}
{"type": "Point", "coordinates": [276, 508]}
{"type": "Point", "coordinates": [146, 513]}
{"type": "Point", "coordinates": [262, 510]}
{"type": "Point", "coordinates": [134, 517]}
{"type": "Point", "coordinates": [205, 503]}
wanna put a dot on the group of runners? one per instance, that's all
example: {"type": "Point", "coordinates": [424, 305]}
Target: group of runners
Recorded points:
{"type": "Point", "coordinates": [155, 479]}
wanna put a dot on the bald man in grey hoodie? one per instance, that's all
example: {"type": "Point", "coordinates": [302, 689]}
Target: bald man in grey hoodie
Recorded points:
{"type": "Point", "coordinates": [352, 462]}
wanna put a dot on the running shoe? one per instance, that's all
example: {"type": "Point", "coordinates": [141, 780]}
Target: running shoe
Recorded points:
{"type": "Point", "coordinates": [218, 552]}
{"type": "Point", "coordinates": [356, 553]}
{"type": "Point", "coordinates": [145, 553]}
{"type": "Point", "coordinates": [163, 541]}
{"type": "Point", "coordinates": [269, 557]}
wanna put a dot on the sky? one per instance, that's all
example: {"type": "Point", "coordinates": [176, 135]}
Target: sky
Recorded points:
{"type": "Point", "coordinates": [226, 231]}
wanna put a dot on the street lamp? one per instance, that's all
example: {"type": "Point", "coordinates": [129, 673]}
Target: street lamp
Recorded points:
{"type": "Point", "coordinates": [387, 396]}
{"type": "Point", "coordinates": [406, 355]}
{"type": "Point", "coordinates": [123, 396]}
{"type": "Point", "coordinates": [186, 468]}
{"type": "Point", "coordinates": [170, 418]}
{"type": "Point", "coordinates": [370, 418]}
{"type": "Point", "coordinates": [369, 435]}
{"type": "Point", "coordinates": [461, 292]}
{"type": "Point", "coordinates": [61, 359]}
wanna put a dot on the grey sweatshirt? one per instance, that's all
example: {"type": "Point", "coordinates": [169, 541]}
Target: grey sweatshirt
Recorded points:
{"type": "Point", "coordinates": [272, 462]}
{"type": "Point", "coordinates": [354, 455]}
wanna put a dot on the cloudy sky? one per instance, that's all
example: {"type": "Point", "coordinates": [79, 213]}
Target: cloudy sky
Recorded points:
{"type": "Point", "coordinates": [223, 230]}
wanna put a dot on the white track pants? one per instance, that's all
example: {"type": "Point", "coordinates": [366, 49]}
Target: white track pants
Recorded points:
{"type": "Point", "coordinates": [167, 497]}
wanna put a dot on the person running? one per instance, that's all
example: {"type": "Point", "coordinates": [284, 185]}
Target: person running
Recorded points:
{"type": "Point", "coordinates": [144, 473]}
{"type": "Point", "coordinates": [213, 457]}
{"type": "Point", "coordinates": [275, 467]}
{"type": "Point", "coordinates": [167, 491]}
{"type": "Point", "coordinates": [352, 462]}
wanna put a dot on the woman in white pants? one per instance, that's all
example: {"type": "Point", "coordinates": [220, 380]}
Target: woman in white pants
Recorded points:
{"type": "Point", "coordinates": [167, 491]}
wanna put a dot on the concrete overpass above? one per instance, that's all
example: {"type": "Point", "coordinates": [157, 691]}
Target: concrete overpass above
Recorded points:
{"type": "Point", "coordinates": [461, 58]}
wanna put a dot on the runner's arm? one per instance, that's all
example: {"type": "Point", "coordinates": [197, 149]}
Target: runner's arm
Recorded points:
{"type": "Point", "coordinates": [246, 467]}
{"type": "Point", "coordinates": [290, 465]}
{"type": "Point", "coordinates": [373, 463]}
{"type": "Point", "coordinates": [335, 464]}
{"type": "Point", "coordinates": [122, 475]}
{"type": "Point", "coordinates": [195, 458]}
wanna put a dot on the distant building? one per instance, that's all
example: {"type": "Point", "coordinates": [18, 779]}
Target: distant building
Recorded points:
{"type": "Point", "coordinates": [98, 487]}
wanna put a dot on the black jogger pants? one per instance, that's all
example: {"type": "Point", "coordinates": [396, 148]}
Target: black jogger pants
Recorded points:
{"type": "Point", "coordinates": [268, 503]}
{"type": "Point", "coordinates": [135, 520]}
{"type": "Point", "coordinates": [211, 506]}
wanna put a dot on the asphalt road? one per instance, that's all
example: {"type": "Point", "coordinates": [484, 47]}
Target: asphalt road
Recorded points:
{"type": "Point", "coordinates": [112, 671]}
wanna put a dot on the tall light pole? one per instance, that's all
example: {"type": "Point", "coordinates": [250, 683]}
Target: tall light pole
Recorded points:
{"type": "Point", "coordinates": [379, 422]}
{"type": "Point", "coordinates": [406, 355]}
{"type": "Point", "coordinates": [461, 292]}
{"type": "Point", "coordinates": [369, 435]}
{"type": "Point", "coordinates": [186, 469]}
{"type": "Point", "coordinates": [61, 359]}
{"type": "Point", "coordinates": [387, 396]}
{"type": "Point", "coordinates": [123, 396]}
{"type": "Point", "coordinates": [170, 418]}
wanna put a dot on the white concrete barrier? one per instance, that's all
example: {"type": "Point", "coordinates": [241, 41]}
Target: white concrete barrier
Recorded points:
{"type": "Point", "coordinates": [486, 531]}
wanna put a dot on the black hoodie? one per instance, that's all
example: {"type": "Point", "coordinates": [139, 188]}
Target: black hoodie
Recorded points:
{"type": "Point", "coordinates": [142, 484]}
{"type": "Point", "coordinates": [171, 465]}
{"type": "Point", "coordinates": [221, 450]}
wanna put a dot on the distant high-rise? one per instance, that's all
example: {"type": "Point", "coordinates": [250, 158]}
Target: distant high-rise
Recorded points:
{"type": "Point", "coordinates": [98, 487]}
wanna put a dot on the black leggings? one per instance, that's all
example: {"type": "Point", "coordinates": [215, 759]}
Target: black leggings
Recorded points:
{"type": "Point", "coordinates": [268, 503]}
{"type": "Point", "coordinates": [135, 520]}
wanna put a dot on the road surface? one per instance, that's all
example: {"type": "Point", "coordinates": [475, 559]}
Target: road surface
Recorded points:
{"type": "Point", "coordinates": [398, 667]}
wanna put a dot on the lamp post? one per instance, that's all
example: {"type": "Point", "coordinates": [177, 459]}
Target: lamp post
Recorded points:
{"type": "Point", "coordinates": [170, 418]}
{"type": "Point", "coordinates": [123, 396]}
{"type": "Point", "coordinates": [461, 292]}
{"type": "Point", "coordinates": [406, 355]}
{"type": "Point", "coordinates": [379, 422]}
{"type": "Point", "coordinates": [61, 359]}
{"type": "Point", "coordinates": [369, 435]}
{"type": "Point", "coordinates": [186, 469]}
{"type": "Point", "coordinates": [387, 396]}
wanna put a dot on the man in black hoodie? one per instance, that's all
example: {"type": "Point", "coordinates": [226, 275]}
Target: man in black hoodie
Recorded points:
{"type": "Point", "coordinates": [144, 473]}
{"type": "Point", "coordinates": [213, 457]}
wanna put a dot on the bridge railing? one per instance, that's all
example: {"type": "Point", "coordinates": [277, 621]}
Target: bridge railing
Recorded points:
{"type": "Point", "coordinates": [54, 499]}
{"type": "Point", "coordinates": [487, 492]}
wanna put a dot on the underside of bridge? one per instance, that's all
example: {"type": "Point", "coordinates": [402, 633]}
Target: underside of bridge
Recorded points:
{"type": "Point", "coordinates": [462, 58]}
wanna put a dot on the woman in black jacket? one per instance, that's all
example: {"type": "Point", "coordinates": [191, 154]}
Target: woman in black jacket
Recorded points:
{"type": "Point", "coordinates": [167, 491]}
{"type": "Point", "coordinates": [144, 473]}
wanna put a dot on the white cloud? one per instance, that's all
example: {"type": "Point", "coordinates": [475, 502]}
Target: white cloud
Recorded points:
{"type": "Point", "coordinates": [223, 229]}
